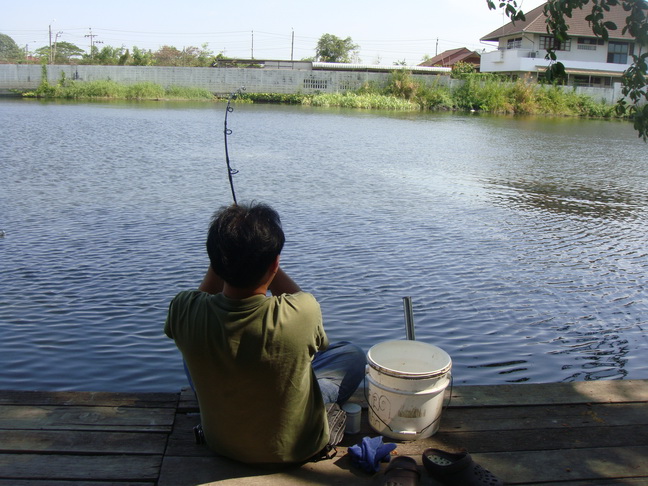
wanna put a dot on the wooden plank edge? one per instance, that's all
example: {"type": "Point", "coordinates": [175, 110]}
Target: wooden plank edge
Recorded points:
{"type": "Point", "coordinates": [581, 392]}
{"type": "Point", "coordinates": [108, 399]}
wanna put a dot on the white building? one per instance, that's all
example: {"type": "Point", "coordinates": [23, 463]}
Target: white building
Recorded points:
{"type": "Point", "coordinates": [588, 60]}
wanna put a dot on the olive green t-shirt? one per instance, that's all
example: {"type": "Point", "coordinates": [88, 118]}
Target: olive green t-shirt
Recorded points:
{"type": "Point", "coordinates": [250, 362]}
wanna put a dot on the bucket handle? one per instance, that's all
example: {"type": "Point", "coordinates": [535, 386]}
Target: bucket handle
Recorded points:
{"type": "Point", "coordinates": [404, 432]}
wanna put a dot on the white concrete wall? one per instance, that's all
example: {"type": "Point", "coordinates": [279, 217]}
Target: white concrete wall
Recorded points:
{"type": "Point", "coordinates": [217, 80]}
{"type": "Point", "coordinates": [226, 80]}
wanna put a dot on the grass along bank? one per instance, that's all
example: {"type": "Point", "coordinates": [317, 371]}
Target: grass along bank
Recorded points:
{"type": "Point", "coordinates": [106, 89]}
{"type": "Point", "coordinates": [485, 93]}
{"type": "Point", "coordinates": [112, 90]}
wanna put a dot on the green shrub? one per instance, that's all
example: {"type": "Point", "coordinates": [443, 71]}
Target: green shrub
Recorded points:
{"type": "Point", "coordinates": [523, 97]}
{"type": "Point", "coordinates": [435, 97]}
{"type": "Point", "coordinates": [284, 98]}
{"type": "Point", "coordinates": [402, 84]}
{"type": "Point", "coordinates": [184, 92]}
{"type": "Point", "coordinates": [144, 91]}
{"type": "Point", "coordinates": [461, 69]}
{"type": "Point", "coordinates": [360, 100]}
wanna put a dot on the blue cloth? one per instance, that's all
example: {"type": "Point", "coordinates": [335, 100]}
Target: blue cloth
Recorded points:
{"type": "Point", "coordinates": [370, 453]}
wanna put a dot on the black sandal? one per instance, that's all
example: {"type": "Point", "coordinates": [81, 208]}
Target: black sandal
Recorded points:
{"type": "Point", "coordinates": [457, 469]}
{"type": "Point", "coordinates": [402, 471]}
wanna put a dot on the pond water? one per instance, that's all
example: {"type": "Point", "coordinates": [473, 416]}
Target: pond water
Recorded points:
{"type": "Point", "coordinates": [521, 241]}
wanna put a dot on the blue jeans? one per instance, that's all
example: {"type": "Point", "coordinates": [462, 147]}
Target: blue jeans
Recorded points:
{"type": "Point", "coordinates": [339, 369]}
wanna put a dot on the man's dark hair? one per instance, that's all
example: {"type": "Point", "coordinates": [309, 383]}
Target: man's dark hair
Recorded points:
{"type": "Point", "coordinates": [243, 241]}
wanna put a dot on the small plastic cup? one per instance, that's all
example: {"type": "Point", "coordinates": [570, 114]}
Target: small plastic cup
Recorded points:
{"type": "Point", "coordinates": [353, 414]}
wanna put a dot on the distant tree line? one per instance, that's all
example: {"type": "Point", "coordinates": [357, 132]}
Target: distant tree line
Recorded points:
{"type": "Point", "coordinates": [67, 53]}
{"type": "Point", "coordinates": [329, 48]}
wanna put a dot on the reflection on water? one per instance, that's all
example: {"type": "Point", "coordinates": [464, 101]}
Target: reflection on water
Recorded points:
{"type": "Point", "coordinates": [610, 203]}
{"type": "Point", "coordinates": [520, 240]}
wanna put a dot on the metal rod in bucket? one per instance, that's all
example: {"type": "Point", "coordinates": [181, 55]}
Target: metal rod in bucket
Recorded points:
{"type": "Point", "coordinates": [409, 318]}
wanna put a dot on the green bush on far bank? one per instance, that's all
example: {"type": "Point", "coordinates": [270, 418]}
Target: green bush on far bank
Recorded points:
{"type": "Point", "coordinates": [107, 89]}
{"type": "Point", "coordinates": [361, 100]}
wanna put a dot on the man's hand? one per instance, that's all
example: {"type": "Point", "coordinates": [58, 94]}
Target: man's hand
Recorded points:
{"type": "Point", "coordinates": [283, 284]}
{"type": "Point", "coordinates": [212, 283]}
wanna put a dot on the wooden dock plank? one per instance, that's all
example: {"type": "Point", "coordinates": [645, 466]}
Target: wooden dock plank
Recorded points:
{"type": "Point", "coordinates": [107, 399]}
{"type": "Point", "coordinates": [191, 471]}
{"type": "Point", "coordinates": [568, 434]}
{"type": "Point", "coordinates": [59, 438]}
{"type": "Point", "coordinates": [515, 441]}
{"type": "Point", "coordinates": [85, 467]}
{"type": "Point", "coordinates": [512, 436]}
{"type": "Point", "coordinates": [85, 417]}
{"type": "Point", "coordinates": [518, 431]}
{"type": "Point", "coordinates": [552, 416]}
{"type": "Point", "coordinates": [602, 466]}
{"type": "Point", "coordinates": [583, 465]}
{"type": "Point", "coordinates": [72, 482]}
{"type": "Point", "coordinates": [600, 391]}
{"type": "Point", "coordinates": [81, 442]}
{"type": "Point", "coordinates": [579, 392]}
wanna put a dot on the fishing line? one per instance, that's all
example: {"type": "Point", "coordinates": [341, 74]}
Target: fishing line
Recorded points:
{"type": "Point", "coordinates": [226, 131]}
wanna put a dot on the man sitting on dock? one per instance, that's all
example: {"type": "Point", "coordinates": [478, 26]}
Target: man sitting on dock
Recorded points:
{"type": "Point", "coordinates": [260, 365]}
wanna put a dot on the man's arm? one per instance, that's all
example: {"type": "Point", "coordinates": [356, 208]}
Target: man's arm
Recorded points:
{"type": "Point", "coordinates": [283, 284]}
{"type": "Point", "coordinates": [212, 283]}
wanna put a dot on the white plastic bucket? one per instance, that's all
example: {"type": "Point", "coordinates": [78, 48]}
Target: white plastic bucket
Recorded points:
{"type": "Point", "coordinates": [406, 381]}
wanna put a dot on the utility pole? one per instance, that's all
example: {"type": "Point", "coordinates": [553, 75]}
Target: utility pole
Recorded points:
{"type": "Point", "coordinates": [292, 45]}
{"type": "Point", "coordinates": [27, 48]}
{"type": "Point", "coordinates": [436, 49]}
{"type": "Point", "coordinates": [252, 45]}
{"type": "Point", "coordinates": [92, 42]}
{"type": "Point", "coordinates": [51, 58]}
{"type": "Point", "coordinates": [53, 49]}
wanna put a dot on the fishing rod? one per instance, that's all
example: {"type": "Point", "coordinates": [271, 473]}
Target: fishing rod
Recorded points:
{"type": "Point", "coordinates": [227, 131]}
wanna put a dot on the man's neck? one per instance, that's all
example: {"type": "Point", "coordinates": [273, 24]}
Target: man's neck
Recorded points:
{"type": "Point", "coordinates": [261, 288]}
{"type": "Point", "coordinates": [237, 293]}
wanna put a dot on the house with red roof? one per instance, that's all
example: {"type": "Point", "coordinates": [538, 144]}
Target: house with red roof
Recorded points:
{"type": "Point", "coordinates": [451, 57]}
{"type": "Point", "coordinates": [588, 60]}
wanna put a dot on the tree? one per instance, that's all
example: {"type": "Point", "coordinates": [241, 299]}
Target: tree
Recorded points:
{"type": "Point", "coordinates": [9, 50]}
{"type": "Point", "coordinates": [189, 56]}
{"type": "Point", "coordinates": [65, 52]}
{"type": "Point", "coordinates": [141, 57]}
{"type": "Point", "coordinates": [460, 69]}
{"type": "Point", "coordinates": [167, 56]}
{"type": "Point", "coordinates": [331, 48]}
{"type": "Point", "coordinates": [636, 24]}
{"type": "Point", "coordinates": [107, 56]}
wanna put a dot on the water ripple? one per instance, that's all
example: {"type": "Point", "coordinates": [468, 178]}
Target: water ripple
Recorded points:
{"type": "Point", "coordinates": [524, 264]}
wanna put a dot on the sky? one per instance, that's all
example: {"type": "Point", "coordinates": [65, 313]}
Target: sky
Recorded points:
{"type": "Point", "coordinates": [386, 31]}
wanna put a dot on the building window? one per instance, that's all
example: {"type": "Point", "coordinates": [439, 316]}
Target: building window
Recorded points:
{"type": "Point", "coordinates": [548, 42]}
{"type": "Point", "coordinates": [514, 43]}
{"type": "Point", "coordinates": [590, 41]}
{"type": "Point", "coordinates": [618, 52]}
